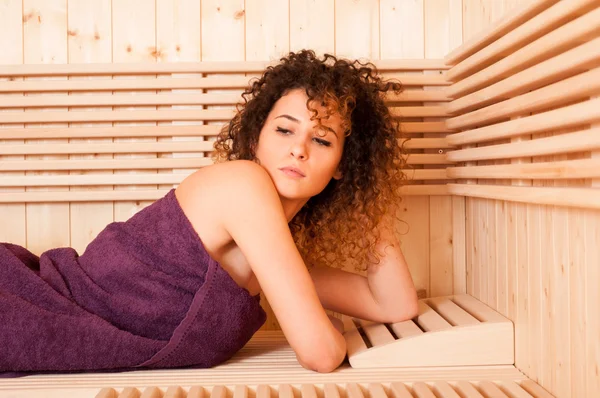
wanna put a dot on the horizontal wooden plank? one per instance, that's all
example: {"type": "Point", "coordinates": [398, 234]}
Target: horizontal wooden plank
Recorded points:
{"type": "Point", "coordinates": [580, 141]}
{"type": "Point", "coordinates": [500, 28]}
{"type": "Point", "coordinates": [146, 179]}
{"type": "Point", "coordinates": [588, 198]}
{"type": "Point", "coordinates": [576, 60]}
{"type": "Point", "coordinates": [166, 99]}
{"type": "Point", "coordinates": [542, 22]}
{"type": "Point", "coordinates": [91, 180]}
{"type": "Point", "coordinates": [97, 148]}
{"type": "Point", "coordinates": [419, 111]}
{"type": "Point", "coordinates": [569, 169]}
{"type": "Point", "coordinates": [422, 143]}
{"type": "Point", "coordinates": [189, 67]}
{"type": "Point", "coordinates": [197, 130]}
{"type": "Point", "coordinates": [426, 158]}
{"type": "Point", "coordinates": [565, 92]}
{"type": "Point", "coordinates": [424, 127]}
{"type": "Point", "coordinates": [158, 99]}
{"type": "Point", "coordinates": [151, 194]}
{"type": "Point", "coordinates": [104, 164]}
{"type": "Point", "coordinates": [565, 117]}
{"type": "Point", "coordinates": [547, 46]}
{"type": "Point", "coordinates": [117, 116]}
{"type": "Point", "coordinates": [108, 85]}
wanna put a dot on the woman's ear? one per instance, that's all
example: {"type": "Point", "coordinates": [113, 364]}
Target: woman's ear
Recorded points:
{"type": "Point", "coordinates": [338, 174]}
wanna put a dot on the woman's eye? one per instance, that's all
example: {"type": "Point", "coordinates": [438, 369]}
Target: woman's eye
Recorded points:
{"type": "Point", "coordinates": [322, 142]}
{"type": "Point", "coordinates": [282, 130]}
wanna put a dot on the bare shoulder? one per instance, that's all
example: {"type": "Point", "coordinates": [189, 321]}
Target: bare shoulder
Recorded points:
{"type": "Point", "coordinates": [209, 195]}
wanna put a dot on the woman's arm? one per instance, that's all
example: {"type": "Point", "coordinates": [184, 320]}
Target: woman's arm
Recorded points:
{"type": "Point", "coordinates": [254, 217]}
{"type": "Point", "coordinates": [387, 294]}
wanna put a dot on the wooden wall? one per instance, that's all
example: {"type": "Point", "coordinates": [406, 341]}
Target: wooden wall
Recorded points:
{"type": "Point", "coordinates": [100, 31]}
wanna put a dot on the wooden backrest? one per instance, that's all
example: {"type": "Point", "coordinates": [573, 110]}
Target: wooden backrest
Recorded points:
{"type": "Point", "coordinates": [129, 132]}
{"type": "Point", "coordinates": [525, 107]}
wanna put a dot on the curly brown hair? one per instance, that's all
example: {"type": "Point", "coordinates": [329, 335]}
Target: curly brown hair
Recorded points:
{"type": "Point", "coordinates": [344, 221]}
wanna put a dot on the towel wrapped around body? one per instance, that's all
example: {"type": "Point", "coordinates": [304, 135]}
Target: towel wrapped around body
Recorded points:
{"type": "Point", "coordinates": [144, 294]}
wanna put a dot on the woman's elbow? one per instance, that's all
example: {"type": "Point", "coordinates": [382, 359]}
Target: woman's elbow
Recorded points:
{"type": "Point", "coordinates": [327, 359]}
{"type": "Point", "coordinates": [408, 310]}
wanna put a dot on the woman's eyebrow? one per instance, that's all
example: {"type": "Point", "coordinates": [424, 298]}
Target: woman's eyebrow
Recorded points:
{"type": "Point", "coordinates": [293, 119]}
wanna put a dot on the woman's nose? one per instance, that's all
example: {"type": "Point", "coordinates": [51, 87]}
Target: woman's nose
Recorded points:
{"type": "Point", "coordinates": [298, 150]}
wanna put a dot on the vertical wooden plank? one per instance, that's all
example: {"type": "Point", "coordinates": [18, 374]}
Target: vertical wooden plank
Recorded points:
{"type": "Point", "coordinates": [440, 238]}
{"type": "Point", "coordinates": [459, 248]}
{"type": "Point", "coordinates": [267, 29]}
{"type": "Point", "coordinates": [470, 244]}
{"type": "Point", "coordinates": [577, 294]}
{"type": "Point", "coordinates": [402, 29]}
{"type": "Point", "coordinates": [511, 275]}
{"type": "Point", "coordinates": [357, 29]}
{"type": "Point", "coordinates": [311, 25]}
{"type": "Point", "coordinates": [178, 40]}
{"type": "Point", "coordinates": [223, 30]}
{"type": "Point", "coordinates": [522, 305]}
{"type": "Point", "coordinates": [501, 257]}
{"type": "Point", "coordinates": [560, 285]}
{"type": "Point", "coordinates": [535, 290]}
{"type": "Point", "coordinates": [592, 299]}
{"type": "Point", "coordinates": [89, 41]}
{"type": "Point", "coordinates": [492, 279]}
{"type": "Point", "coordinates": [45, 41]}
{"type": "Point", "coordinates": [476, 270]}
{"type": "Point", "coordinates": [11, 41]}
{"type": "Point", "coordinates": [134, 40]}
{"type": "Point", "coordinates": [546, 299]}
{"type": "Point", "coordinates": [484, 232]}
{"type": "Point", "coordinates": [442, 31]}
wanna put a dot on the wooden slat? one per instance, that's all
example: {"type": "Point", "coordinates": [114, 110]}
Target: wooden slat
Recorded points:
{"type": "Point", "coordinates": [541, 23]}
{"type": "Point", "coordinates": [570, 197]}
{"type": "Point", "coordinates": [419, 143]}
{"type": "Point", "coordinates": [109, 132]}
{"type": "Point", "coordinates": [405, 329]}
{"type": "Point", "coordinates": [417, 96]}
{"type": "Point", "coordinates": [576, 60]}
{"type": "Point", "coordinates": [354, 341]}
{"type": "Point", "coordinates": [285, 391]}
{"type": "Point", "coordinates": [152, 392]}
{"type": "Point", "coordinates": [507, 23]}
{"type": "Point", "coordinates": [424, 190]}
{"type": "Point", "coordinates": [491, 390]}
{"type": "Point", "coordinates": [91, 180]}
{"type": "Point", "coordinates": [554, 95]}
{"type": "Point", "coordinates": [429, 320]}
{"type": "Point", "coordinates": [180, 83]}
{"type": "Point", "coordinates": [566, 36]}
{"type": "Point", "coordinates": [419, 111]}
{"type": "Point", "coordinates": [422, 390]}
{"type": "Point", "coordinates": [117, 116]}
{"type": "Point", "coordinates": [105, 164]}
{"type": "Point", "coordinates": [468, 390]}
{"type": "Point", "coordinates": [120, 100]}
{"type": "Point", "coordinates": [579, 141]}
{"type": "Point", "coordinates": [218, 392]}
{"type": "Point", "coordinates": [399, 390]}
{"type": "Point", "coordinates": [479, 310]}
{"type": "Point", "coordinates": [377, 333]}
{"type": "Point", "coordinates": [445, 390]}
{"type": "Point", "coordinates": [241, 391]}
{"type": "Point", "coordinates": [426, 174]}
{"type": "Point", "coordinates": [455, 315]}
{"type": "Point", "coordinates": [330, 390]}
{"type": "Point", "coordinates": [424, 127]}
{"type": "Point", "coordinates": [565, 117]}
{"type": "Point", "coordinates": [426, 158]}
{"type": "Point", "coordinates": [515, 390]}
{"type": "Point", "coordinates": [189, 67]}
{"type": "Point", "coordinates": [568, 169]}
{"type": "Point", "coordinates": [137, 147]}
{"type": "Point", "coordinates": [184, 99]}
{"type": "Point", "coordinates": [535, 389]}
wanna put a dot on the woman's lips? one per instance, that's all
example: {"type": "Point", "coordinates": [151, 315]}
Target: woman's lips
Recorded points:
{"type": "Point", "coordinates": [292, 172]}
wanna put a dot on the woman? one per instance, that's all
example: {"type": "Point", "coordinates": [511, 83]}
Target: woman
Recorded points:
{"type": "Point", "coordinates": [306, 176]}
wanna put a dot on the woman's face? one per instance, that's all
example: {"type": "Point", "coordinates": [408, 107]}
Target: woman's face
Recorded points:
{"type": "Point", "coordinates": [290, 140]}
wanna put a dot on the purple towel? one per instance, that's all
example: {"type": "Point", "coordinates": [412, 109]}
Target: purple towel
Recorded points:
{"type": "Point", "coordinates": [144, 294]}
